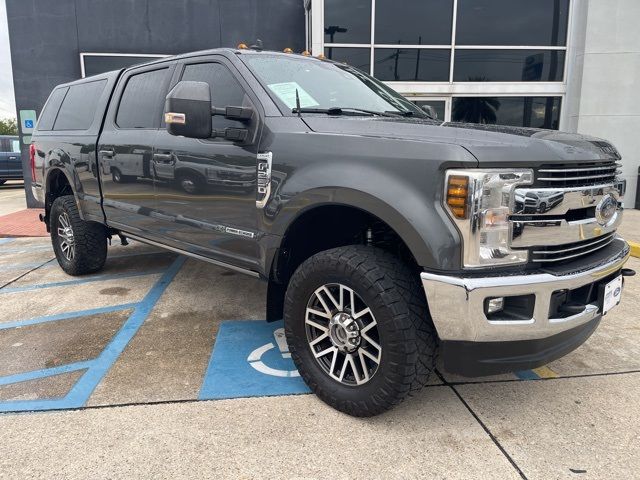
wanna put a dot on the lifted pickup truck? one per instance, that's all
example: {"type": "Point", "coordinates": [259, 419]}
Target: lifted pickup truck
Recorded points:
{"type": "Point", "coordinates": [385, 236]}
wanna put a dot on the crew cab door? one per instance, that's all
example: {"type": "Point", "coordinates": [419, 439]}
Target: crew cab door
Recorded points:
{"type": "Point", "coordinates": [125, 148]}
{"type": "Point", "coordinates": [206, 189]}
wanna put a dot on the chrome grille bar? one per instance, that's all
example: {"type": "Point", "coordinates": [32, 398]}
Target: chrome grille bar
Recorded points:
{"type": "Point", "coordinates": [577, 174]}
{"type": "Point", "coordinates": [564, 179]}
{"type": "Point", "coordinates": [589, 243]}
{"type": "Point", "coordinates": [574, 255]}
{"type": "Point", "coordinates": [583, 169]}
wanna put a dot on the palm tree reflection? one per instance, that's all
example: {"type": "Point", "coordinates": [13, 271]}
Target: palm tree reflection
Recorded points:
{"type": "Point", "coordinates": [476, 110]}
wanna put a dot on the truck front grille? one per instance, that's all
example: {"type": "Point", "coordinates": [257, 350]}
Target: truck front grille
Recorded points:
{"type": "Point", "coordinates": [568, 251]}
{"type": "Point", "coordinates": [577, 175]}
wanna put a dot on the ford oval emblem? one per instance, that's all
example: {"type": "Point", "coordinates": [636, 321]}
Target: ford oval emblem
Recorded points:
{"type": "Point", "coordinates": [607, 210]}
{"type": "Point", "coordinates": [617, 292]}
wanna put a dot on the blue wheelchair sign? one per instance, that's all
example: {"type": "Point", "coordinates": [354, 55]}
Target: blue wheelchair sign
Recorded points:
{"type": "Point", "coordinates": [251, 359]}
{"type": "Point", "coordinates": [28, 124]}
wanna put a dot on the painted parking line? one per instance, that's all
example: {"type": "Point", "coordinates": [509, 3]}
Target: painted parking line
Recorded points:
{"type": "Point", "coordinates": [250, 359]}
{"type": "Point", "coordinates": [95, 369]}
{"type": "Point", "coordinates": [25, 266]}
{"type": "Point", "coordinates": [44, 372]}
{"type": "Point", "coordinates": [536, 373]}
{"type": "Point", "coordinates": [66, 316]}
{"type": "Point", "coordinates": [94, 278]}
{"type": "Point", "coordinates": [6, 240]}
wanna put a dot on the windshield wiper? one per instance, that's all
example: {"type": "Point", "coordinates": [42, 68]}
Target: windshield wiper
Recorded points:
{"type": "Point", "coordinates": [341, 111]}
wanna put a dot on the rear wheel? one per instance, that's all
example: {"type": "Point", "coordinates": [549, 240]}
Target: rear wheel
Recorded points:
{"type": "Point", "coordinates": [191, 182]}
{"type": "Point", "coordinates": [80, 247]}
{"type": "Point", "coordinates": [358, 329]}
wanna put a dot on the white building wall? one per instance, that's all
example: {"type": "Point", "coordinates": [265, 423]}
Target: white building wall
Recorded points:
{"type": "Point", "coordinates": [609, 97]}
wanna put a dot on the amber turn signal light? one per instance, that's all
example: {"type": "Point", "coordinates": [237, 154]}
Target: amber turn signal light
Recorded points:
{"type": "Point", "coordinates": [458, 195]}
{"type": "Point", "coordinates": [242, 46]}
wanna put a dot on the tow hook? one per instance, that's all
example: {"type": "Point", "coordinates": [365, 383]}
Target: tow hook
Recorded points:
{"type": "Point", "coordinates": [628, 272]}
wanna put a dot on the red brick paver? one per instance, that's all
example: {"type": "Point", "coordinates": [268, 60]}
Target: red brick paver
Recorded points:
{"type": "Point", "coordinates": [24, 223]}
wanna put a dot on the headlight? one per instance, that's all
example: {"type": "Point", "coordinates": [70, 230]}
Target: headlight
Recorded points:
{"type": "Point", "coordinates": [479, 202]}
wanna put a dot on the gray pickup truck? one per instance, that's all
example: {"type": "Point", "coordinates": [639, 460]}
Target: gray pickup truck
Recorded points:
{"type": "Point", "coordinates": [387, 237]}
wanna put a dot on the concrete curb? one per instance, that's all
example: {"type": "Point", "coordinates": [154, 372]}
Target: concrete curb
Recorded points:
{"type": "Point", "coordinates": [635, 249]}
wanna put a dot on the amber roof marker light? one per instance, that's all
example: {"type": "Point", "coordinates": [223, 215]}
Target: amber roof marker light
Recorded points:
{"type": "Point", "coordinates": [242, 46]}
{"type": "Point", "coordinates": [458, 195]}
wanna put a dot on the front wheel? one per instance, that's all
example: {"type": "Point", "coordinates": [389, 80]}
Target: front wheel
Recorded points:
{"type": "Point", "coordinates": [358, 329]}
{"type": "Point", "coordinates": [80, 247]}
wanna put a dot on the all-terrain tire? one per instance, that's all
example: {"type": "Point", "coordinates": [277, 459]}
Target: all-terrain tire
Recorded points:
{"type": "Point", "coordinates": [88, 239]}
{"type": "Point", "coordinates": [406, 334]}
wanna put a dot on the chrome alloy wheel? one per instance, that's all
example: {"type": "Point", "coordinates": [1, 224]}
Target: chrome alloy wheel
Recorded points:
{"type": "Point", "coordinates": [343, 334]}
{"type": "Point", "coordinates": [65, 236]}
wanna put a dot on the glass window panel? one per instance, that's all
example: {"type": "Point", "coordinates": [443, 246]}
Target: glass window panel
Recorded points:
{"type": "Point", "coordinates": [15, 146]}
{"type": "Point", "coordinates": [50, 112]}
{"type": "Point", "coordinates": [224, 87]}
{"type": "Point", "coordinates": [508, 66]}
{"type": "Point", "coordinates": [424, 22]}
{"type": "Point", "coordinates": [356, 57]}
{"type": "Point", "coordinates": [536, 112]}
{"type": "Point", "coordinates": [512, 22]}
{"type": "Point", "coordinates": [142, 100]}
{"type": "Point", "coordinates": [411, 64]}
{"type": "Point", "coordinates": [79, 106]}
{"type": "Point", "coordinates": [347, 21]}
{"type": "Point", "coordinates": [438, 106]}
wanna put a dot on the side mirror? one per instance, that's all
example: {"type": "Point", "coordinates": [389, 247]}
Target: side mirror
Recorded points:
{"type": "Point", "coordinates": [188, 110]}
{"type": "Point", "coordinates": [429, 110]}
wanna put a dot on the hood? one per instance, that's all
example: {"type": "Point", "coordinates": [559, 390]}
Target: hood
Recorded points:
{"type": "Point", "coordinates": [491, 145]}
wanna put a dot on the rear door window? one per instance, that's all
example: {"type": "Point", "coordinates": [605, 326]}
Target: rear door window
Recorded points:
{"type": "Point", "coordinates": [50, 112]}
{"type": "Point", "coordinates": [79, 106]}
{"type": "Point", "coordinates": [142, 101]}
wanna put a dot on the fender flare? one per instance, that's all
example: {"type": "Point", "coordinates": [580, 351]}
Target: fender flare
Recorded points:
{"type": "Point", "coordinates": [419, 246]}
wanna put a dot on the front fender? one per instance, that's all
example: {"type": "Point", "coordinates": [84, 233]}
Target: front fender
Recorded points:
{"type": "Point", "coordinates": [410, 203]}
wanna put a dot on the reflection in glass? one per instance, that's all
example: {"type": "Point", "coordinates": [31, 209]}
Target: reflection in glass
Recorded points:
{"type": "Point", "coordinates": [411, 64]}
{"type": "Point", "coordinates": [424, 22]}
{"type": "Point", "coordinates": [508, 65]}
{"type": "Point", "coordinates": [356, 57]}
{"type": "Point", "coordinates": [536, 112]}
{"type": "Point", "coordinates": [347, 21]}
{"type": "Point", "coordinates": [512, 22]}
{"type": "Point", "coordinates": [438, 106]}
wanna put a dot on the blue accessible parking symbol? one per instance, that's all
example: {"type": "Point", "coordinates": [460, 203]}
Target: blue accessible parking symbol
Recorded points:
{"type": "Point", "coordinates": [251, 359]}
{"type": "Point", "coordinates": [28, 124]}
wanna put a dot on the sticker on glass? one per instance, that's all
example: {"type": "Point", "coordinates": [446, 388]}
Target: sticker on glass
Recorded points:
{"type": "Point", "coordinates": [286, 92]}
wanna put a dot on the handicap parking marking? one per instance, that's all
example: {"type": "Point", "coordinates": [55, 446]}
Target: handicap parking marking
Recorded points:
{"type": "Point", "coordinates": [250, 359]}
{"type": "Point", "coordinates": [97, 368]}
{"type": "Point", "coordinates": [81, 280]}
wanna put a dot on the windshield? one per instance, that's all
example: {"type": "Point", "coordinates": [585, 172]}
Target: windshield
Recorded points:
{"type": "Point", "coordinates": [322, 85]}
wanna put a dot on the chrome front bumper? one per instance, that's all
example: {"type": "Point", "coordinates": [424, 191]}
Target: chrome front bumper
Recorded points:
{"type": "Point", "coordinates": [457, 303]}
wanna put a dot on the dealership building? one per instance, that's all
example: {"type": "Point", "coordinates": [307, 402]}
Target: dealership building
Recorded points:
{"type": "Point", "coordinates": [572, 65]}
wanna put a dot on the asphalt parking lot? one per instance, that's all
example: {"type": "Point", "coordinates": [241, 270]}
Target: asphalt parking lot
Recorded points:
{"type": "Point", "coordinates": [161, 366]}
